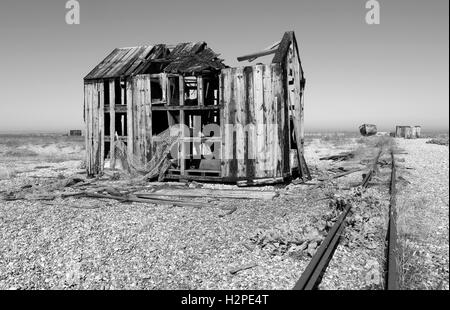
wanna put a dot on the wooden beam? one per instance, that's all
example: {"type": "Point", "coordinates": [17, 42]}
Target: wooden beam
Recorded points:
{"type": "Point", "coordinates": [209, 193]}
{"type": "Point", "coordinates": [256, 55]}
{"type": "Point", "coordinates": [185, 108]}
{"type": "Point", "coordinates": [120, 108]}
{"type": "Point", "coordinates": [272, 46]}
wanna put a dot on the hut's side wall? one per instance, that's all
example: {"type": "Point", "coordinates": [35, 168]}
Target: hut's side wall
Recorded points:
{"type": "Point", "coordinates": [254, 123]}
{"type": "Point", "coordinates": [94, 122]}
{"type": "Point", "coordinates": [141, 117]}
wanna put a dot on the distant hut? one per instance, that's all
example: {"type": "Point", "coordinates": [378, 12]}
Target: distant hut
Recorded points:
{"type": "Point", "coordinates": [75, 133]}
{"type": "Point", "coordinates": [418, 131]}
{"type": "Point", "coordinates": [408, 132]}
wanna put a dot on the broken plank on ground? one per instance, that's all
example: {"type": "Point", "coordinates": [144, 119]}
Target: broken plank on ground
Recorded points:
{"type": "Point", "coordinates": [210, 193]}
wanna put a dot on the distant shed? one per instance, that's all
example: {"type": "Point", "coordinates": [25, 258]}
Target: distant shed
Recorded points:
{"type": "Point", "coordinates": [75, 133]}
{"type": "Point", "coordinates": [408, 132]}
{"type": "Point", "coordinates": [138, 93]}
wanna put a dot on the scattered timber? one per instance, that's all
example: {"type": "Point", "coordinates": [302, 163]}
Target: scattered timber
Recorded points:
{"type": "Point", "coordinates": [209, 193]}
{"type": "Point", "coordinates": [139, 199]}
{"type": "Point", "coordinates": [258, 182]}
{"type": "Point", "coordinates": [339, 157]}
{"type": "Point", "coordinates": [340, 175]}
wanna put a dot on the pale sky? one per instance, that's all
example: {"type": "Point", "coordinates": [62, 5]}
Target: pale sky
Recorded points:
{"type": "Point", "coordinates": [388, 74]}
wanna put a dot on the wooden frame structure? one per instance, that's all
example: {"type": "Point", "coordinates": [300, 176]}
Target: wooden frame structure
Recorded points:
{"type": "Point", "coordinates": [239, 124]}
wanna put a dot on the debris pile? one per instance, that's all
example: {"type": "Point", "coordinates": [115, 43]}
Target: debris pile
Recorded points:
{"type": "Point", "coordinates": [285, 239]}
{"type": "Point", "coordinates": [136, 190]}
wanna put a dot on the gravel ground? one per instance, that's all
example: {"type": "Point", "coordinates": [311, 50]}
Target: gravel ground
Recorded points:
{"type": "Point", "coordinates": [424, 215]}
{"type": "Point", "coordinates": [103, 244]}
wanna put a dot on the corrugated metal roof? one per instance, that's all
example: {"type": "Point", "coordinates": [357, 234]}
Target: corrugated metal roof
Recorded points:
{"type": "Point", "coordinates": [124, 61]}
{"type": "Point", "coordinates": [185, 57]}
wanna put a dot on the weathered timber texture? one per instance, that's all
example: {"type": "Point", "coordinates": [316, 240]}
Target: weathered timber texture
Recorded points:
{"type": "Point", "coordinates": [252, 138]}
{"type": "Point", "coordinates": [93, 105]}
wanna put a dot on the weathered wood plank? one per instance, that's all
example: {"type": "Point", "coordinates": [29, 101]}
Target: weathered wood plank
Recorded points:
{"type": "Point", "coordinates": [112, 123]}
{"type": "Point", "coordinates": [87, 125]}
{"type": "Point", "coordinates": [259, 117]}
{"type": "Point", "coordinates": [148, 117]}
{"type": "Point", "coordinates": [269, 115]}
{"type": "Point", "coordinates": [227, 144]}
{"type": "Point", "coordinates": [277, 93]}
{"type": "Point", "coordinates": [210, 193]}
{"type": "Point", "coordinates": [186, 108]}
{"type": "Point", "coordinates": [240, 121]}
{"type": "Point", "coordinates": [101, 126]}
{"type": "Point", "coordinates": [181, 148]}
{"type": "Point", "coordinates": [251, 125]}
{"type": "Point", "coordinates": [130, 117]}
{"type": "Point", "coordinates": [257, 54]}
{"type": "Point", "coordinates": [200, 93]}
{"type": "Point", "coordinates": [233, 166]}
{"type": "Point", "coordinates": [95, 131]}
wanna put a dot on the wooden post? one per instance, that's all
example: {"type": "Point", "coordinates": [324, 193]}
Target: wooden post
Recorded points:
{"type": "Point", "coordinates": [101, 126]}
{"type": "Point", "coordinates": [112, 123]}
{"type": "Point", "coordinates": [200, 94]}
{"type": "Point", "coordinates": [182, 149]}
{"type": "Point", "coordinates": [148, 116]}
{"type": "Point", "coordinates": [87, 122]}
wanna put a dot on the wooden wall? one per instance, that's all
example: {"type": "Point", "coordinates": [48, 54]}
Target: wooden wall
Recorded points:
{"type": "Point", "coordinates": [139, 118]}
{"type": "Point", "coordinates": [94, 122]}
{"type": "Point", "coordinates": [254, 122]}
{"type": "Point", "coordinates": [254, 97]}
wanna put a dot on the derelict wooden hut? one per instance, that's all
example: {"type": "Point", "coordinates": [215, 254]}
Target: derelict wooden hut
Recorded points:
{"type": "Point", "coordinates": [242, 124]}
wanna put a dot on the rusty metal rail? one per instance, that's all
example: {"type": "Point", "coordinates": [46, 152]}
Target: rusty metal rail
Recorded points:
{"type": "Point", "coordinates": [373, 170]}
{"type": "Point", "coordinates": [313, 273]}
{"type": "Point", "coordinates": [392, 276]}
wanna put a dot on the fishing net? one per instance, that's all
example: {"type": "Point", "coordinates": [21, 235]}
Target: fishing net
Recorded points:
{"type": "Point", "coordinates": [158, 164]}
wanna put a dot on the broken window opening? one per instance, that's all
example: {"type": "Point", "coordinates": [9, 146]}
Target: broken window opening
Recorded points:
{"type": "Point", "coordinates": [117, 92]}
{"type": "Point", "coordinates": [160, 122]}
{"type": "Point", "coordinates": [190, 90]}
{"type": "Point", "coordinates": [123, 92]}
{"type": "Point", "coordinates": [202, 149]}
{"type": "Point", "coordinates": [173, 90]}
{"type": "Point", "coordinates": [121, 124]}
{"type": "Point", "coordinates": [107, 150]}
{"type": "Point", "coordinates": [211, 91]}
{"type": "Point", "coordinates": [157, 94]}
{"type": "Point", "coordinates": [107, 122]}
